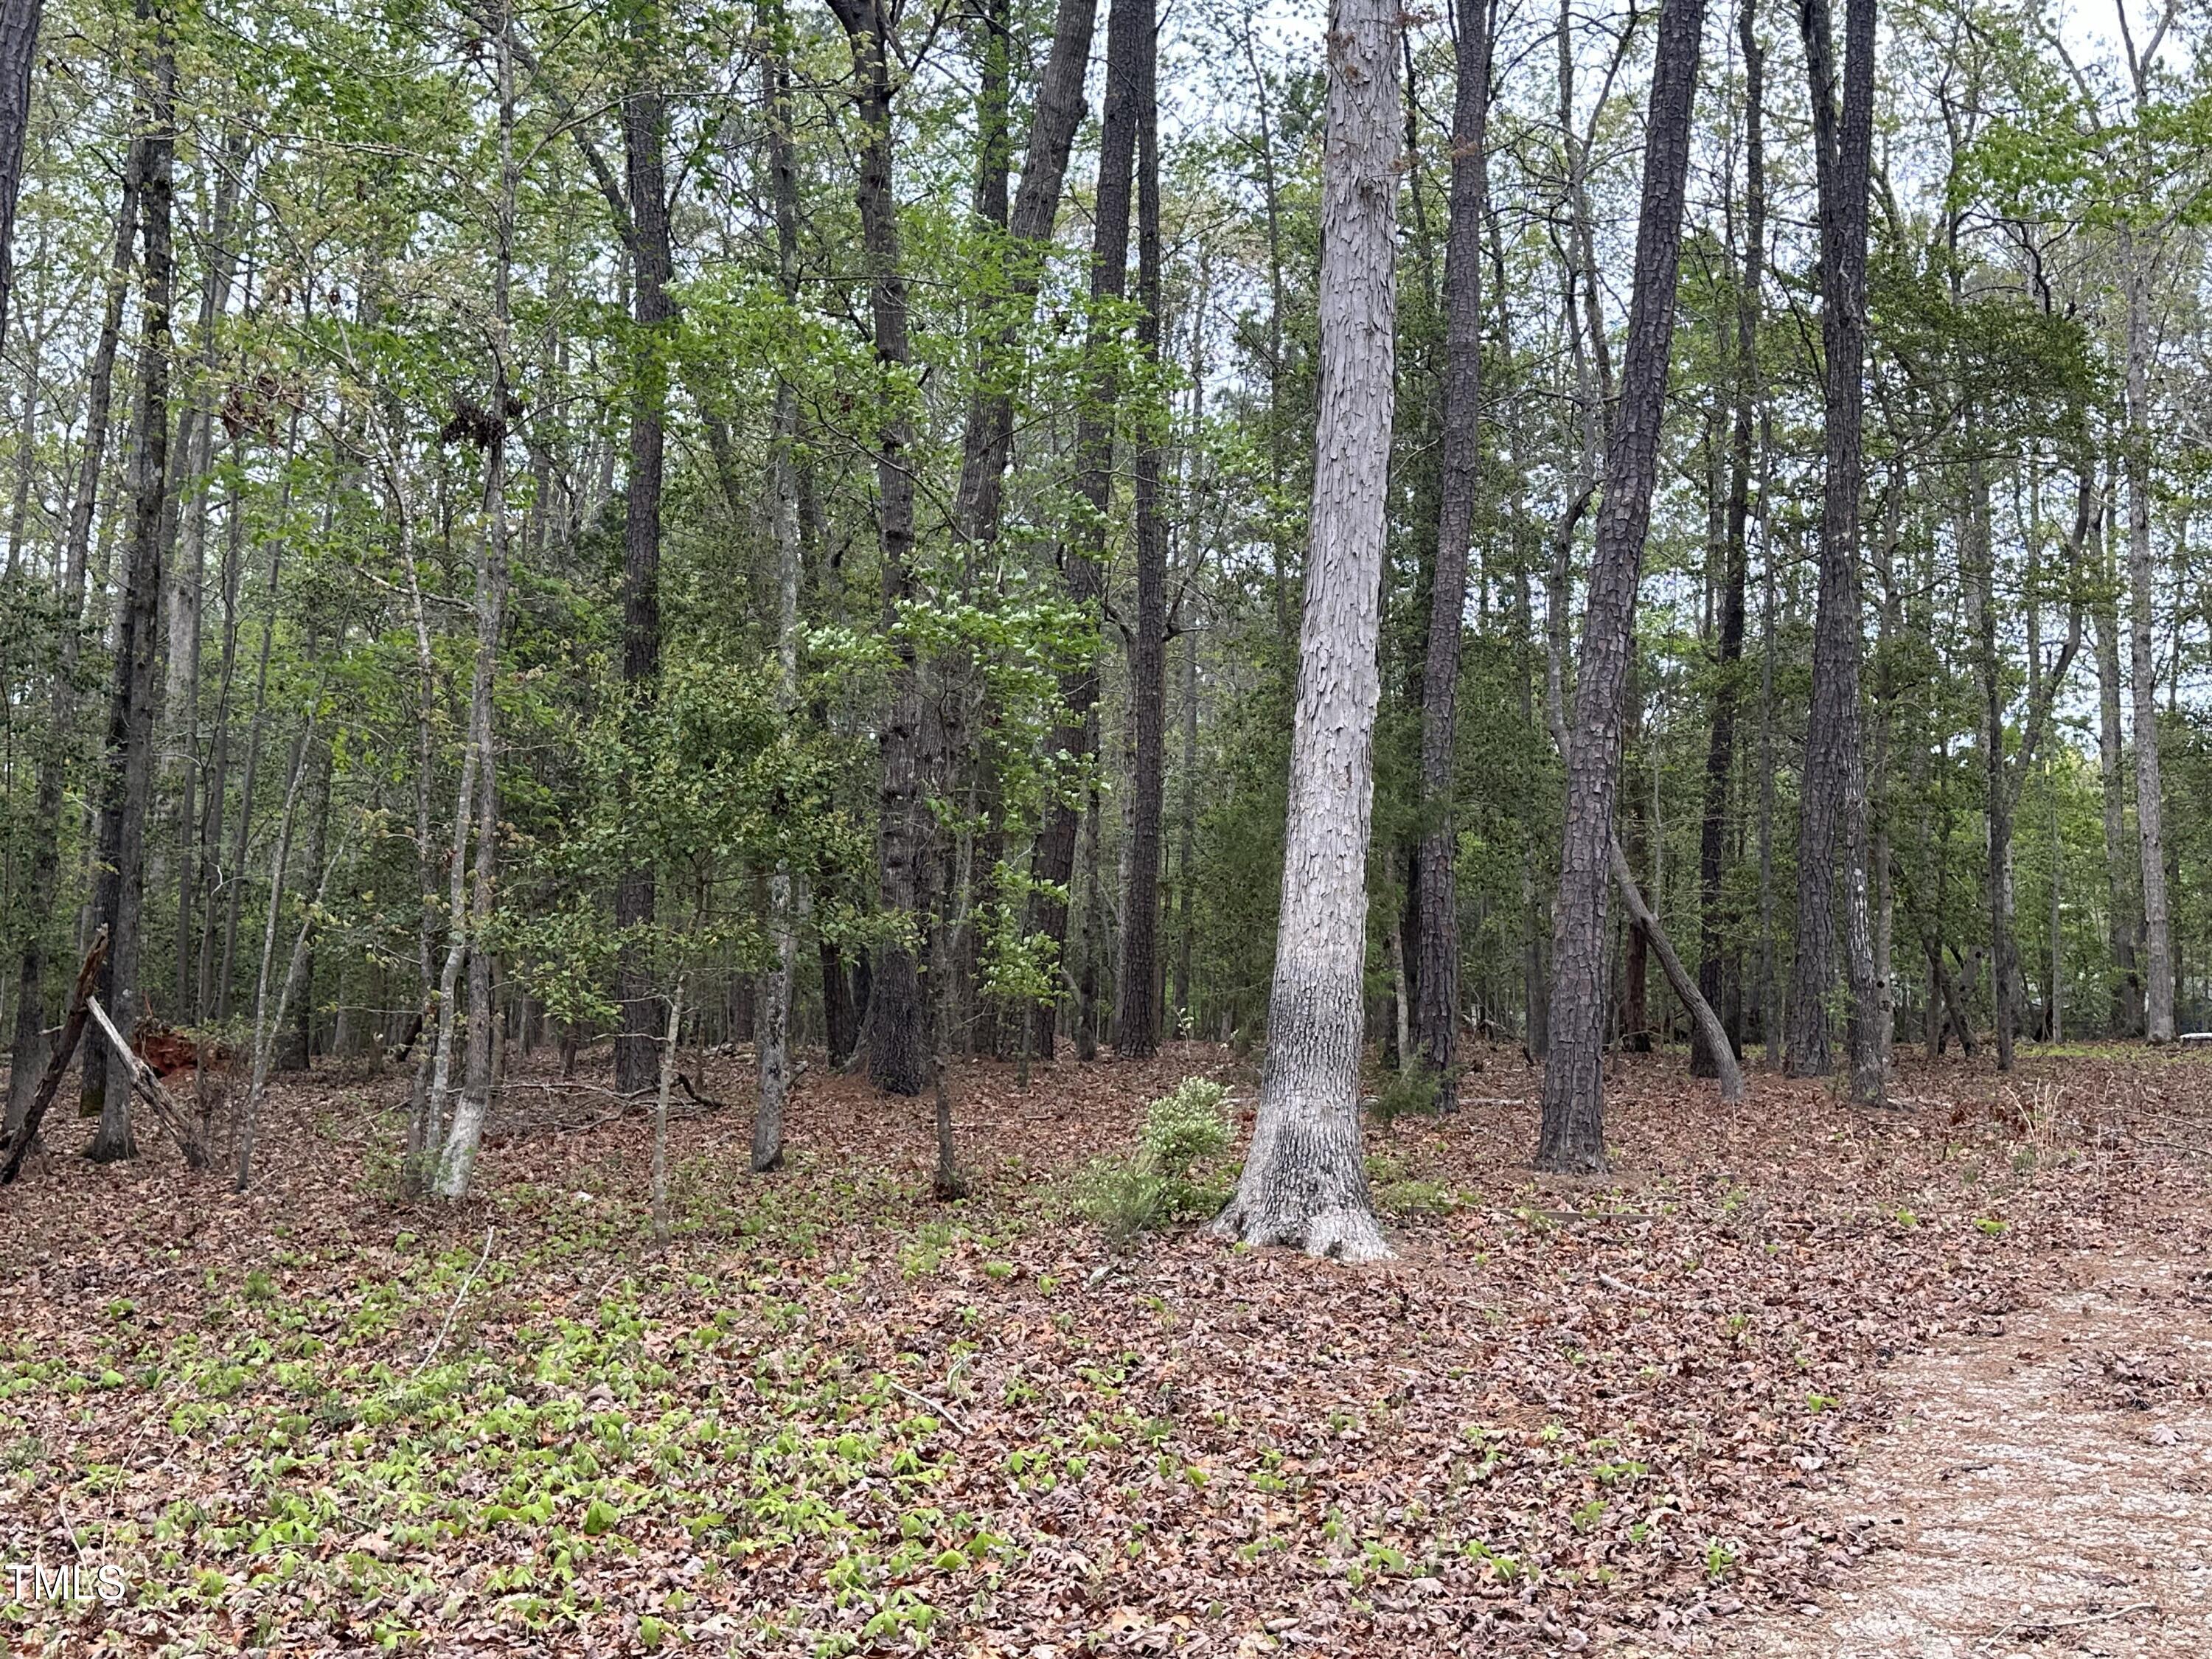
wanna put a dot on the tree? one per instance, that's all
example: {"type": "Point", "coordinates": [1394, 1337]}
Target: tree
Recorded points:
{"type": "Point", "coordinates": [19, 50]}
{"type": "Point", "coordinates": [1573, 1134]}
{"type": "Point", "coordinates": [1832, 827]}
{"type": "Point", "coordinates": [1304, 1181]}
{"type": "Point", "coordinates": [1436, 974]}
{"type": "Point", "coordinates": [126, 778]}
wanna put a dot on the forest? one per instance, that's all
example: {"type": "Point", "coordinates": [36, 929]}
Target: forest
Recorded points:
{"type": "Point", "coordinates": [738, 737]}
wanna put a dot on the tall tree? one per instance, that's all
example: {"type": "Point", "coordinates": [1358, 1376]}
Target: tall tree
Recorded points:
{"type": "Point", "coordinates": [126, 776]}
{"type": "Point", "coordinates": [644, 125]}
{"type": "Point", "coordinates": [1573, 1132]}
{"type": "Point", "coordinates": [1082, 553]}
{"type": "Point", "coordinates": [1137, 995]}
{"type": "Point", "coordinates": [1833, 822]}
{"type": "Point", "coordinates": [898, 1042]}
{"type": "Point", "coordinates": [1715, 976]}
{"type": "Point", "coordinates": [1304, 1181]}
{"type": "Point", "coordinates": [19, 50]}
{"type": "Point", "coordinates": [1436, 950]}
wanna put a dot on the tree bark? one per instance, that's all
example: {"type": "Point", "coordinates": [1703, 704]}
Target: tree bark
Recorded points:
{"type": "Point", "coordinates": [773, 1046]}
{"type": "Point", "coordinates": [127, 768]}
{"type": "Point", "coordinates": [18, 52]}
{"type": "Point", "coordinates": [1083, 550]}
{"type": "Point", "coordinates": [463, 1139]}
{"type": "Point", "coordinates": [644, 124]}
{"type": "Point", "coordinates": [898, 1049]}
{"type": "Point", "coordinates": [44, 863]}
{"type": "Point", "coordinates": [1304, 1181]}
{"type": "Point", "coordinates": [1436, 949]}
{"type": "Point", "coordinates": [2125, 1017]}
{"type": "Point", "coordinates": [2142, 675]}
{"type": "Point", "coordinates": [1832, 823]}
{"type": "Point", "coordinates": [1717, 967]}
{"type": "Point", "coordinates": [1573, 1131]}
{"type": "Point", "coordinates": [1137, 997]}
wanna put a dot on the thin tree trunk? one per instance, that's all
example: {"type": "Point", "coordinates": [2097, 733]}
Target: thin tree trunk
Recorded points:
{"type": "Point", "coordinates": [1832, 827]}
{"type": "Point", "coordinates": [2126, 1015]}
{"type": "Point", "coordinates": [1083, 552]}
{"type": "Point", "coordinates": [2142, 679]}
{"type": "Point", "coordinates": [1436, 886]}
{"type": "Point", "coordinates": [1305, 1183]}
{"type": "Point", "coordinates": [466, 1134]}
{"type": "Point", "coordinates": [127, 769]}
{"type": "Point", "coordinates": [44, 865]}
{"type": "Point", "coordinates": [1137, 999]}
{"type": "Point", "coordinates": [1573, 1131]}
{"type": "Point", "coordinates": [774, 1049]}
{"type": "Point", "coordinates": [1717, 965]}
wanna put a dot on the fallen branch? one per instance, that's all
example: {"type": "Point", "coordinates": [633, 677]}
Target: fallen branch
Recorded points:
{"type": "Point", "coordinates": [706, 1100]}
{"type": "Point", "coordinates": [57, 1062]}
{"type": "Point", "coordinates": [147, 1085]}
{"type": "Point", "coordinates": [458, 1297]}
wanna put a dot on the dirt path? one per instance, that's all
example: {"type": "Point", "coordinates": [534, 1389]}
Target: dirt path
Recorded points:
{"type": "Point", "coordinates": [2047, 1489]}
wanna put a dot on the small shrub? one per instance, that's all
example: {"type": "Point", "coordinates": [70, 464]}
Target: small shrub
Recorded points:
{"type": "Point", "coordinates": [1409, 1093]}
{"type": "Point", "coordinates": [1166, 1181]}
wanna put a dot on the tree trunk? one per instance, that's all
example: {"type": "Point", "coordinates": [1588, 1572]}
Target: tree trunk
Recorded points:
{"type": "Point", "coordinates": [127, 768]}
{"type": "Point", "coordinates": [2126, 1016]}
{"type": "Point", "coordinates": [44, 864]}
{"type": "Point", "coordinates": [1304, 1181]}
{"type": "Point", "coordinates": [644, 124]}
{"type": "Point", "coordinates": [1436, 886]}
{"type": "Point", "coordinates": [987, 445]}
{"type": "Point", "coordinates": [458, 1158]}
{"type": "Point", "coordinates": [19, 50]}
{"type": "Point", "coordinates": [1716, 964]}
{"type": "Point", "coordinates": [1833, 825]}
{"type": "Point", "coordinates": [1137, 999]}
{"type": "Point", "coordinates": [1573, 1132]}
{"type": "Point", "coordinates": [1083, 552]}
{"type": "Point", "coordinates": [898, 1042]}
{"type": "Point", "coordinates": [774, 1048]}
{"type": "Point", "coordinates": [2150, 811]}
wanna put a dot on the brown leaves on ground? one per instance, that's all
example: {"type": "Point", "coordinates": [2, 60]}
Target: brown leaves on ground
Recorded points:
{"type": "Point", "coordinates": [835, 1416]}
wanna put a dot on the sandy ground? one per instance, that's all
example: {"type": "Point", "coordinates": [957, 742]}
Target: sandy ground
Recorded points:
{"type": "Point", "coordinates": [2047, 1490]}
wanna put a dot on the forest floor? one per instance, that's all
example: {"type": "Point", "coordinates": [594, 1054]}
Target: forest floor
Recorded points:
{"type": "Point", "coordinates": [1677, 1409]}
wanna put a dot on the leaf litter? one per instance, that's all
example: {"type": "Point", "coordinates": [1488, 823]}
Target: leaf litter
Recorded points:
{"type": "Point", "coordinates": [835, 1417]}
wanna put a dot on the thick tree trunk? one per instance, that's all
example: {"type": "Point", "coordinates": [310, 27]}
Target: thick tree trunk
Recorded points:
{"type": "Point", "coordinates": [897, 1038]}
{"type": "Point", "coordinates": [1573, 1132]}
{"type": "Point", "coordinates": [1137, 999]}
{"type": "Point", "coordinates": [644, 124]}
{"type": "Point", "coordinates": [1304, 1181]}
{"type": "Point", "coordinates": [1436, 888]}
{"type": "Point", "coordinates": [1718, 967]}
{"type": "Point", "coordinates": [1833, 825]}
{"type": "Point", "coordinates": [127, 768]}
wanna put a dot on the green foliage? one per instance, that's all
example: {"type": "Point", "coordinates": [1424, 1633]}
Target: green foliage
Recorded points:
{"type": "Point", "coordinates": [1166, 1179]}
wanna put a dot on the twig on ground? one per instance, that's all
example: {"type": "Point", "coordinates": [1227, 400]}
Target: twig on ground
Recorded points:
{"type": "Point", "coordinates": [939, 1407]}
{"type": "Point", "coordinates": [2047, 1625]}
{"type": "Point", "coordinates": [458, 1297]}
